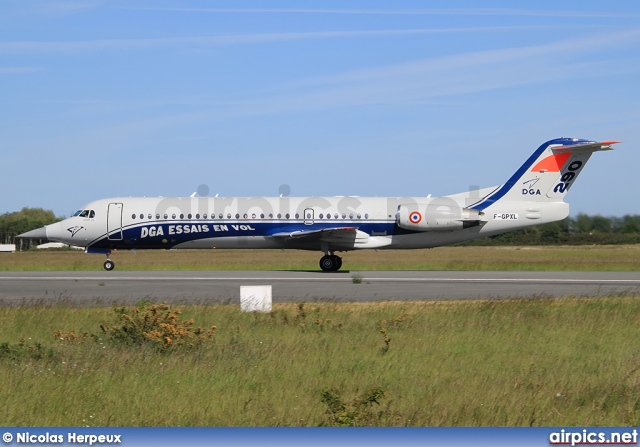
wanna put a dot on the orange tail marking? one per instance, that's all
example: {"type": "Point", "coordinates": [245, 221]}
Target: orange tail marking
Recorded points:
{"type": "Point", "coordinates": [553, 163]}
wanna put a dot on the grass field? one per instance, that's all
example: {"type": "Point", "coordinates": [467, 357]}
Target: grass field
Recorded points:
{"type": "Point", "coordinates": [537, 362]}
{"type": "Point", "coordinates": [585, 258]}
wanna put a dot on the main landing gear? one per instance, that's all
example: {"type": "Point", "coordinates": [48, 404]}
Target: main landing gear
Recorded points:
{"type": "Point", "coordinates": [109, 264]}
{"type": "Point", "coordinates": [330, 263]}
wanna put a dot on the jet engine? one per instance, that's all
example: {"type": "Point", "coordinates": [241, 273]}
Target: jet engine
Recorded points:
{"type": "Point", "coordinates": [435, 216]}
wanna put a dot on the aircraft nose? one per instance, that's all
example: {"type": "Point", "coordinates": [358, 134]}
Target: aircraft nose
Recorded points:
{"type": "Point", "coordinates": [38, 233]}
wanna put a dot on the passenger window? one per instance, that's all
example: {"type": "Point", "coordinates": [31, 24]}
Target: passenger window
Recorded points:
{"type": "Point", "coordinates": [141, 216]}
{"type": "Point", "coordinates": [149, 216]}
{"type": "Point", "coordinates": [133, 216]}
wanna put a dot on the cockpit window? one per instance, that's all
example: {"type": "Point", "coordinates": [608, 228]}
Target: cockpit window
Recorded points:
{"type": "Point", "coordinates": [90, 214]}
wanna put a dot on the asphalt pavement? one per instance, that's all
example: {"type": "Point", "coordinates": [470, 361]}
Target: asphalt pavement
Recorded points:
{"type": "Point", "coordinates": [214, 287]}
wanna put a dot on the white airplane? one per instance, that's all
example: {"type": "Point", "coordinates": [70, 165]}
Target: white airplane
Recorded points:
{"type": "Point", "coordinates": [533, 195]}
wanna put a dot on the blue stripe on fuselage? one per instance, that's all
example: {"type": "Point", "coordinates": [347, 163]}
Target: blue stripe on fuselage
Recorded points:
{"type": "Point", "coordinates": [168, 234]}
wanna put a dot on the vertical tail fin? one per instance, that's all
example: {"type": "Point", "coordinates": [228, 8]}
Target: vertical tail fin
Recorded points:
{"type": "Point", "coordinates": [548, 173]}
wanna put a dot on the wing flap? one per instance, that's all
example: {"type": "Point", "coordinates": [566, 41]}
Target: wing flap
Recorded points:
{"type": "Point", "coordinates": [313, 233]}
{"type": "Point", "coordinates": [338, 238]}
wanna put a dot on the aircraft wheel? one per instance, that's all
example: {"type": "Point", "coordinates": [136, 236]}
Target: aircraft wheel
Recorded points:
{"type": "Point", "coordinates": [328, 263]}
{"type": "Point", "coordinates": [338, 262]}
{"type": "Point", "coordinates": [109, 265]}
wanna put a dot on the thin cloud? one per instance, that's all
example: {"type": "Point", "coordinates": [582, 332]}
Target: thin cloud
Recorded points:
{"type": "Point", "coordinates": [419, 81]}
{"type": "Point", "coordinates": [47, 9]}
{"type": "Point", "coordinates": [16, 70]}
{"type": "Point", "coordinates": [234, 39]}
{"type": "Point", "coordinates": [433, 12]}
{"type": "Point", "coordinates": [65, 8]}
{"type": "Point", "coordinates": [568, 48]}
{"type": "Point", "coordinates": [449, 76]}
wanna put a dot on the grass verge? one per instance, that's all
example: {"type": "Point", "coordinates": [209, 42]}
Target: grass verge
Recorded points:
{"type": "Point", "coordinates": [573, 258]}
{"type": "Point", "coordinates": [531, 362]}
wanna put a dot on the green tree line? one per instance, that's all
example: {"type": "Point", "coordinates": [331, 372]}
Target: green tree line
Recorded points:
{"type": "Point", "coordinates": [27, 219]}
{"type": "Point", "coordinates": [580, 230]}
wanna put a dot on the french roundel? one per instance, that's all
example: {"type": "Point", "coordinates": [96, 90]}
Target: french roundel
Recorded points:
{"type": "Point", "coordinates": [415, 217]}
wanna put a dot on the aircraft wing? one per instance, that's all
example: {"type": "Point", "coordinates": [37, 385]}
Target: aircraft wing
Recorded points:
{"type": "Point", "coordinates": [338, 238]}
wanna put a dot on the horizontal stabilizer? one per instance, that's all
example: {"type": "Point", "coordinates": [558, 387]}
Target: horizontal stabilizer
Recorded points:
{"type": "Point", "coordinates": [586, 147]}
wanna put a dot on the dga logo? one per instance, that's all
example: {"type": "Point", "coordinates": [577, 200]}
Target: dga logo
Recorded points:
{"type": "Point", "coordinates": [415, 217]}
{"type": "Point", "coordinates": [74, 230]}
{"type": "Point", "coordinates": [528, 187]}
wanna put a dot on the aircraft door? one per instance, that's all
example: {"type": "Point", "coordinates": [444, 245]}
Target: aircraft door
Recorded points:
{"type": "Point", "coordinates": [114, 222]}
{"type": "Point", "coordinates": [308, 216]}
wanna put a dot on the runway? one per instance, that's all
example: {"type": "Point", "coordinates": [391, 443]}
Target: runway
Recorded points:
{"type": "Point", "coordinates": [215, 287]}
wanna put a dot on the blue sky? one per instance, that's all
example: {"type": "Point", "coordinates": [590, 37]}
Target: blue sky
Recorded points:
{"type": "Point", "coordinates": [146, 98]}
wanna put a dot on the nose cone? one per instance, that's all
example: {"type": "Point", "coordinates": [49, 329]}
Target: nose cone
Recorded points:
{"type": "Point", "coordinates": [38, 233]}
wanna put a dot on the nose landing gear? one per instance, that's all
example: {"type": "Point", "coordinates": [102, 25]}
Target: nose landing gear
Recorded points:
{"type": "Point", "coordinates": [109, 264]}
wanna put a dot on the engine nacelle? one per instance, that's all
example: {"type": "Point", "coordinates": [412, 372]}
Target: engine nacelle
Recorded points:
{"type": "Point", "coordinates": [436, 216]}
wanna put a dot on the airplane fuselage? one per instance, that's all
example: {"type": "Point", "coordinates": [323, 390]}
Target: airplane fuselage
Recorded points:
{"type": "Point", "coordinates": [262, 222]}
{"type": "Point", "coordinates": [533, 195]}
